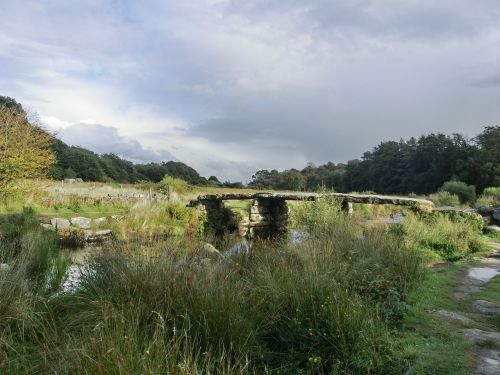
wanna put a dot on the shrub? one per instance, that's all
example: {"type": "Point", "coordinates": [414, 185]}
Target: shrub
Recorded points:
{"type": "Point", "coordinates": [180, 186]}
{"type": "Point", "coordinates": [466, 193]}
{"type": "Point", "coordinates": [490, 197]}
{"type": "Point", "coordinates": [451, 236]}
{"type": "Point", "coordinates": [447, 199]}
{"type": "Point", "coordinates": [316, 215]}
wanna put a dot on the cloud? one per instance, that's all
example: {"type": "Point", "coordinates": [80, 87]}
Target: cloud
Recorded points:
{"type": "Point", "coordinates": [104, 139]}
{"type": "Point", "coordinates": [232, 86]}
{"type": "Point", "coordinates": [488, 82]}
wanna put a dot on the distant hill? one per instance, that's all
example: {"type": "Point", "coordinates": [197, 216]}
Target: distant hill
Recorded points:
{"type": "Point", "coordinates": [78, 162]}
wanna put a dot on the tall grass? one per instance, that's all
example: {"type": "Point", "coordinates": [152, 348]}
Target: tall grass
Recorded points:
{"type": "Point", "coordinates": [490, 197]}
{"type": "Point", "coordinates": [325, 307]}
{"type": "Point", "coordinates": [449, 236]}
{"type": "Point", "coordinates": [330, 305]}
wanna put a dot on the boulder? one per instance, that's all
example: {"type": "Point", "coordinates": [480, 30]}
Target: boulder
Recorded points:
{"type": "Point", "coordinates": [60, 224]}
{"type": "Point", "coordinates": [44, 219]}
{"type": "Point", "coordinates": [81, 222]}
{"type": "Point", "coordinates": [484, 210]}
{"type": "Point", "coordinates": [493, 228]}
{"type": "Point", "coordinates": [100, 220]}
{"type": "Point", "coordinates": [495, 215]}
{"type": "Point", "coordinates": [47, 226]}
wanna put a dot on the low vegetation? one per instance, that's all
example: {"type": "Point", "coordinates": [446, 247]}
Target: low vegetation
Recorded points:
{"type": "Point", "coordinates": [465, 193]}
{"type": "Point", "coordinates": [337, 303]}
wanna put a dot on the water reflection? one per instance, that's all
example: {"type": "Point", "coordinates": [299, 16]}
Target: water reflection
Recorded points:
{"type": "Point", "coordinates": [79, 257]}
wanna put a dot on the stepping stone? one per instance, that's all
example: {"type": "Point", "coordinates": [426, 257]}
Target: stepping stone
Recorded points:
{"type": "Point", "coordinates": [47, 226]}
{"type": "Point", "coordinates": [488, 362]}
{"type": "Point", "coordinates": [100, 220]}
{"type": "Point", "coordinates": [60, 224]}
{"type": "Point", "coordinates": [450, 315]}
{"type": "Point", "coordinates": [81, 222]}
{"type": "Point", "coordinates": [478, 335]}
{"type": "Point", "coordinates": [485, 307]}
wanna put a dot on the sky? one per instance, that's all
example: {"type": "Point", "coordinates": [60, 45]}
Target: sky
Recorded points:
{"type": "Point", "coordinates": [230, 87]}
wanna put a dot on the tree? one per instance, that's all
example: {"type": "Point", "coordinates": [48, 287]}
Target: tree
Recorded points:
{"type": "Point", "coordinates": [25, 150]}
{"type": "Point", "coordinates": [488, 157]}
{"type": "Point", "coordinates": [291, 180]}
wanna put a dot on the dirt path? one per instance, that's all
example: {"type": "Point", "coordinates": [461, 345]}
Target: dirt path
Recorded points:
{"type": "Point", "coordinates": [481, 331]}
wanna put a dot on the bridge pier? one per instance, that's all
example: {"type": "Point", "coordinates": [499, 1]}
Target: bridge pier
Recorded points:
{"type": "Point", "coordinates": [268, 217]}
{"type": "Point", "coordinates": [346, 207]}
{"type": "Point", "coordinates": [219, 219]}
{"type": "Point", "coordinates": [268, 214]}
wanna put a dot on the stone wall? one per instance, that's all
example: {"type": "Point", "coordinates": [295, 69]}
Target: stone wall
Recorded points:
{"type": "Point", "coordinates": [268, 217]}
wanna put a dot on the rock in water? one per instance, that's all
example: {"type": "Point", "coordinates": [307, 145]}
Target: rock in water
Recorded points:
{"type": "Point", "coordinates": [81, 222]}
{"type": "Point", "coordinates": [60, 224]}
{"type": "Point", "coordinates": [47, 226]}
{"type": "Point", "coordinates": [100, 220]}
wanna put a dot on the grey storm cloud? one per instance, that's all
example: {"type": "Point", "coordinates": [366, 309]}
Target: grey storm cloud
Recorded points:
{"type": "Point", "coordinates": [104, 140]}
{"type": "Point", "coordinates": [488, 82]}
{"type": "Point", "coordinates": [232, 86]}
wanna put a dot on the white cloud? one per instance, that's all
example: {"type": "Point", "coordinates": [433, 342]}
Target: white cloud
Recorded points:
{"type": "Point", "coordinates": [227, 86]}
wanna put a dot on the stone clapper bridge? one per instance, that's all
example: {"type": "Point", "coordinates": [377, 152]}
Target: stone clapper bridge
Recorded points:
{"type": "Point", "coordinates": [268, 213]}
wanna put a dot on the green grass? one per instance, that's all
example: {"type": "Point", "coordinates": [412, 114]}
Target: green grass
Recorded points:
{"type": "Point", "coordinates": [448, 236]}
{"type": "Point", "coordinates": [491, 292]}
{"type": "Point", "coordinates": [434, 344]}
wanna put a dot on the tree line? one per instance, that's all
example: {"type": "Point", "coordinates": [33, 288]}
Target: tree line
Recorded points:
{"type": "Point", "coordinates": [78, 162]}
{"type": "Point", "coordinates": [418, 166]}
{"type": "Point", "coordinates": [27, 150]}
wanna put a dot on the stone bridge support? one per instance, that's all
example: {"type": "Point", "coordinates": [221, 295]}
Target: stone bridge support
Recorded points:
{"type": "Point", "coordinates": [268, 214]}
{"type": "Point", "coordinates": [268, 217]}
{"type": "Point", "coordinates": [210, 205]}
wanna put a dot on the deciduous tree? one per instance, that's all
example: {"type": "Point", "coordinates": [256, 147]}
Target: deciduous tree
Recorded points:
{"type": "Point", "coordinates": [25, 150]}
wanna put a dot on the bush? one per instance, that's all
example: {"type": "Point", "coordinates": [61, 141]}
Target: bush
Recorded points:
{"type": "Point", "coordinates": [178, 185]}
{"type": "Point", "coordinates": [490, 197]}
{"type": "Point", "coordinates": [447, 199]}
{"type": "Point", "coordinates": [466, 193]}
{"type": "Point", "coordinates": [451, 236]}
{"type": "Point", "coordinates": [316, 215]}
